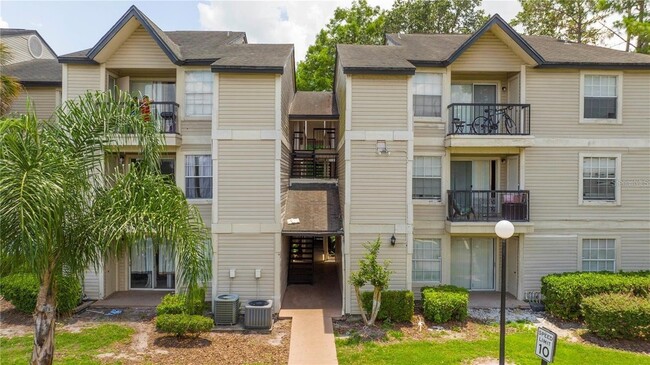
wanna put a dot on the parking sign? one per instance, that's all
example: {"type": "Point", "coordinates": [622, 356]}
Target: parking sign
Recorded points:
{"type": "Point", "coordinates": [545, 346]}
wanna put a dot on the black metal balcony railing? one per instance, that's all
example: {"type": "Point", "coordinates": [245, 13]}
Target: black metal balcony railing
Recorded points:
{"type": "Point", "coordinates": [311, 164]}
{"type": "Point", "coordinates": [489, 119]}
{"type": "Point", "coordinates": [164, 114]}
{"type": "Point", "coordinates": [487, 205]}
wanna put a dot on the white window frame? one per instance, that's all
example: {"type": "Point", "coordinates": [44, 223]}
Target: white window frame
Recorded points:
{"type": "Point", "coordinates": [442, 97]}
{"type": "Point", "coordinates": [439, 259]}
{"type": "Point", "coordinates": [426, 201]}
{"type": "Point", "coordinates": [617, 249]}
{"type": "Point", "coordinates": [197, 116]}
{"type": "Point", "coordinates": [185, 177]}
{"type": "Point", "coordinates": [617, 182]}
{"type": "Point", "coordinates": [619, 97]}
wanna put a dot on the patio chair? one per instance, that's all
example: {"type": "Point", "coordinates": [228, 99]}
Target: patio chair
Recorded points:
{"type": "Point", "coordinates": [464, 212]}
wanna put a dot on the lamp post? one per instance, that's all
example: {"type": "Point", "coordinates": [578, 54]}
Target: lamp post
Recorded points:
{"type": "Point", "coordinates": [504, 229]}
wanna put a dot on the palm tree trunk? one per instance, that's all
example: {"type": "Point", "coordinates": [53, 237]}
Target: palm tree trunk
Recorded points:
{"type": "Point", "coordinates": [44, 322]}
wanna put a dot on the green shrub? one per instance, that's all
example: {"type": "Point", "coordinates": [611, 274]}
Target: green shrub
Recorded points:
{"type": "Point", "coordinates": [178, 304]}
{"type": "Point", "coordinates": [563, 293]}
{"type": "Point", "coordinates": [22, 290]}
{"type": "Point", "coordinates": [183, 324]}
{"type": "Point", "coordinates": [617, 316]}
{"type": "Point", "coordinates": [445, 303]}
{"type": "Point", "coordinates": [396, 305]}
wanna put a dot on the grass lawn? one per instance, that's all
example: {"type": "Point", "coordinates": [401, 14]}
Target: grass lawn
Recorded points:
{"type": "Point", "coordinates": [519, 350]}
{"type": "Point", "coordinates": [70, 348]}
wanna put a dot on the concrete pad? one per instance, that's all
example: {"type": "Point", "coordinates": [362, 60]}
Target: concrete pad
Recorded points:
{"type": "Point", "coordinates": [132, 298]}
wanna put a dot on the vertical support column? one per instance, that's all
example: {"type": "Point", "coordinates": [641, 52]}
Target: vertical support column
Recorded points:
{"type": "Point", "coordinates": [215, 177]}
{"type": "Point", "coordinates": [348, 189]}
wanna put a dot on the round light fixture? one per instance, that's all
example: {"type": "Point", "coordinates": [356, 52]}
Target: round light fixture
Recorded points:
{"type": "Point", "coordinates": [504, 229]}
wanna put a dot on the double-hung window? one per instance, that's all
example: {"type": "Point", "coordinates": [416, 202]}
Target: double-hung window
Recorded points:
{"type": "Point", "coordinates": [427, 177]}
{"type": "Point", "coordinates": [198, 93]}
{"type": "Point", "coordinates": [426, 260]}
{"type": "Point", "coordinates": [599, 254]}
{"type": "Point", "coordinates": [427, 94]}
{"type": "Point", "coordinates": [599, 181]}
{"type": "Point", "coordinates": [198, 176]}
{"type": "Point", "coordinates": [601, 97]}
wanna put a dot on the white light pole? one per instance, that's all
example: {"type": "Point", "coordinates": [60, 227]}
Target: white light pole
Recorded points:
{"type": "Point", "coordinates": [504, 229]}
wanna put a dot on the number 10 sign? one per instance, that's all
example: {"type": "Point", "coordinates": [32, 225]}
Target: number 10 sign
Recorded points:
{"type": "Point", "coordinates": [545, 346]}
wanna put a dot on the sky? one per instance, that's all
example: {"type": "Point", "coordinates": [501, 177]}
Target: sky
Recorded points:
{"type": "Point", "coordinates": [69, 26]}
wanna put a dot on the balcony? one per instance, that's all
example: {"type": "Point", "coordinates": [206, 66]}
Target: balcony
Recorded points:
{"type": "Point", "coordinates": [313, 165]}
{"type": "Point", "coordinates": [476, 211]}
{"type": "Point", "coordinates": [164, 115]}
{"type": "Point", "coordinates": [488, 125]}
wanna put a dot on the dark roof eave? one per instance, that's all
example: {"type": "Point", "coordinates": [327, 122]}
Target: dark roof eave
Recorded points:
{"type": "Point", "coordinates": [314, 116]}
{"type": "Point", "coordinates": [77, 60]}
{"type": "Point", "coordinates": [249, 69]}
{"type": "Point", "coordinates": [40, 83]}
{"type": "Point", "coordinates": [591, 65]}
{"type": "Point", "coordinates": [379, 70]}
{"type": "Point", "coordinates": [198, 61]}
{"type": "Point", "coordinates": [424, 63]}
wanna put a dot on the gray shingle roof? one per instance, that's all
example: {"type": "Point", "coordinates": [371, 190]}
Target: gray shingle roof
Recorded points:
{"type": "Point", "coordinates": [35, 72]}
{"type": "Point", "coordinates": [316, 206]}
{"type": "Point", "coordinates": [4, 32]}
{"type": "Point", "coordinates": [202, 45]}
{"type": "Point", "coordinates": [314, 104]}
{"type": "Point", "coordinates": [269, 58]}
{"type": "Point", "coordinates": [443, 49]}
{"type": "Point", "coordinates": [358, 58]}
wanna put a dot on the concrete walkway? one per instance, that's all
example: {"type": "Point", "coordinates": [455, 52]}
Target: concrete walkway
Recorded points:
{"type": "Point", "coordinates": [311, 308]}
{"type": "Point", "coordinates": [132, 298]}
{"type": "Point", "coordinates": [492, 299]}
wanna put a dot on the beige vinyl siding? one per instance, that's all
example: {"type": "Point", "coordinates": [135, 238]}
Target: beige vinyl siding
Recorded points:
{"type": "Point", "coordinates": [123, 271]}
{"type": "Point", "coordinates": [19, 49]}
{"type": "Point", "coordinates": [396, 254]}
{"type": "Point", "coordinates": [546, 255]}
{"type": "Point", "coordinates": [378, 183]}
{"type": "Point", "coordinates": [246, 181]}
{"type": "Point", "coordinates": [206, 212]}
{"type": "Point", "coordinates": [246, 101]}
{"type": "Point", "coordinates": [428, 130]}
{"type": "Point", "coordinates": [139, 51]}
{"type": "Point", "coordinates": [554, 96]}
{"type": "Point", "coordinates": [196, 128]}
{"type": "Point", "coordinates": [91, 284]}
{"type": "Point", "coordinates": [341, 179]}
{"type": "Point", "coordinates": [285, 167]}
{"type": "Point", "coordinates": [43, 101]}
{"type": "Point", "coordinates": [245, 253]}
{"type": "Point", "coordinates": [429, 219]}
{"type": "Point", "coordinates": [488, 53]}
{"type": "Point", "coordinates": [110, 275]}
{"type": "Point", "coordinates": [553, 178]}
{"type": "Point", "coordinates": [635, 249]}
{"type": "Point", "coordinates": [379, 103]}
{"type": "Point", "coordinates": [81, 78]}
{"type": "Point", "coordinates": [288, 92]}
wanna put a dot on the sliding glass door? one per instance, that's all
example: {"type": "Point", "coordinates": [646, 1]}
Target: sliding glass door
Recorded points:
{"type": "Point", "coordinates": [152, 267]}
{"type": "Point", "coordinates": [472, 263]}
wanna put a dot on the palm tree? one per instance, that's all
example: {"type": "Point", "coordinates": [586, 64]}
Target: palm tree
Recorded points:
{"type": "Point", "coordinates": [9, 86]}
{"type": "Point", "coordinates": [61, 214]}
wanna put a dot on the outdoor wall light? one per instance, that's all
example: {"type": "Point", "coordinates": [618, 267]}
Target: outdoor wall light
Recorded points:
{"type": "Point", "coordinates": [393, 240]}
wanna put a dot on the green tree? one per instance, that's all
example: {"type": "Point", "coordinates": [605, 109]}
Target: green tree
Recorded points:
{"type": "Point", "coordinates": [359, 24]}
{"type": "Point", "coordinates": [573, 20]}
{"type": "Point", "coordinates": [373, 273]}
{"type": "Point", "coordinates": [60, 213]}
{"type": "Point", "coordinates": [9, 86]}
{"type": "Point", "coordinates": [634, 20]}
{"type": "Point", "coordinates": [443, 16]}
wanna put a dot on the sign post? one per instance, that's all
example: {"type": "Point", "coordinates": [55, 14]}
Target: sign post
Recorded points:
{"type": "Point", "coordinates": [545, 345]}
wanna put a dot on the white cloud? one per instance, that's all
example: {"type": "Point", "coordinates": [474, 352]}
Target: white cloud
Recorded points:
{"type": "Point", "coordinates": [295, 22]}
{"type": "Point", "coordinates": [3, 23]}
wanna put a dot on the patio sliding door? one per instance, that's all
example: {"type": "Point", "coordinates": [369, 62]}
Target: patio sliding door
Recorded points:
{"type": "Point", "coordinates": [472, 263]}
{"type": "Point", "coordinates": [152, 267]}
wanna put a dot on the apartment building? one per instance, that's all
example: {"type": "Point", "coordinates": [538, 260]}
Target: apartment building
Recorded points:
{"type": "Point", "coordinates": [444, 135]}
{"type": "Point", "coordinates": [426, 142]}
{"type": "Point", "coordinates": [35, 65]}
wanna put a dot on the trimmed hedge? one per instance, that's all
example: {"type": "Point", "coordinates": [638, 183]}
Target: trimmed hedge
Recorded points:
{"type": "Point", "coordinates": [563, 293]}
{"type": "Point", "coordinates": [444, 303]}
{"type": "Point", "coordinates": [177, 304]}
{"type": "Point", "coordinates": [617, 316]}
{"type": "Point", "coordinates": [183, 324]}
{"type": "Point", "coordinates": [396, 305]}
{"type": "Point", "coordinates": [22, 290]}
